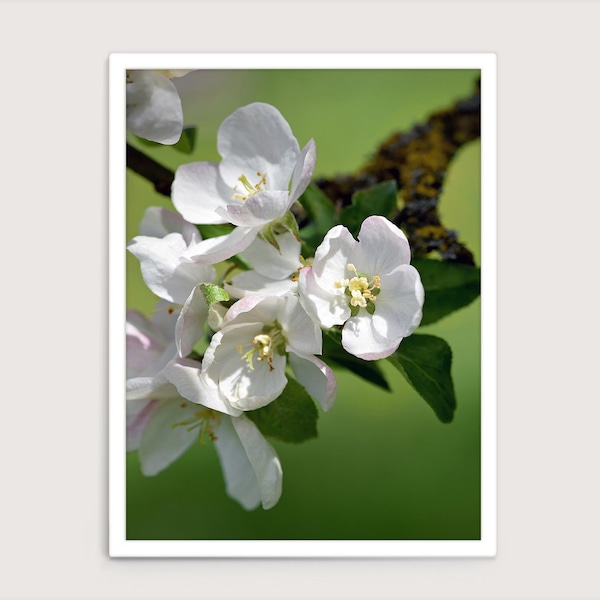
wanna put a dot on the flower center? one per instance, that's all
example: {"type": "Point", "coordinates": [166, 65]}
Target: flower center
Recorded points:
{"type": "Point", "coordinates": [270, 340]}
{"type": "Point", "coordinates": [205, 419]}
{"type": "Point", "coordinates": [249, 189]}
{"type": "Point", "coordinates": [361, 290]}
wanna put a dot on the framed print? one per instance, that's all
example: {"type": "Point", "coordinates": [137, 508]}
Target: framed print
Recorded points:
{"type": "Point", "coordinates": [302, 305]}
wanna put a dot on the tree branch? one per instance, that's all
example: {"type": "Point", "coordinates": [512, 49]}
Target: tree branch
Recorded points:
{"type": "Point", "coordinates": [155, 173]}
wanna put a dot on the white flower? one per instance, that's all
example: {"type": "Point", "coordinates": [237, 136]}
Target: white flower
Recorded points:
{"type": "Point", "coordinates": [164, 240]}
{"type": "Point", "coordinates": [246, 360]}
{"type": "Point", "coordinates": [153, 105]}
{"type": "Point", "coordinates": [275, 272]}
{"type": "Point", "coordinates": [261, 174]}
{"type": "Point", "coordinates": [161, 425]}
{"type": "Point", "coordinates": [368, 286]}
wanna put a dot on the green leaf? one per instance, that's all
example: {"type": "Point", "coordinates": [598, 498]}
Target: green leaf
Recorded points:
{"type": "Point", "coordinates": [381, 199]}
{"type": "Point", "coordinates": [321, 216]}
{"type": "Point", "coordinates": [213, 293]}
{"type": "Point", "coordinates": [290, 418]}
{"type": "Point", "coordinates": [186, 141]}
{"type": "Point", "coordinates": [185, 144]}
{"type": "Point", "coordinates": [448, 287]}
{"type": "Point", "coordinates": [425, 362]}
{"type": "Point", "coordinates": [318, 207]}
{"type": "Point", "coordinates": [368, 370]}
{"type": "Point", "coordinates": [211, 231]}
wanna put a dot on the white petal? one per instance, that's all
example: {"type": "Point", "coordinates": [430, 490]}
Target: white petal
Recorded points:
{"type": "Point", "coordinates": [360, 338]}
{"type": "Point", "coordinates": [303, 172]}
{"type": "Point", "coordinates": [273, 263]}
{"type": "Point", "coordinates": [302, 333]}
{"type": "Point", "coordinates": [198, 191]}
{"type": "Point", "coordinates": [250, 283]}
{"type": "Point", "coordinates": [163, 268]}
{"type": "Point", "coordinates": [251, 467]}
{"type": "Point", "coordinates": [249, 389]}
{"type": "Point", "coordinates": [139, 413]}
{"type": "Point", "coordinates": [332, 257]}
{"type": "Point", "coordinates": [190, 324]}
{"type": "Point", "coordinates": [150, 388]}
{"type": "Point", "coordinates": [256, 138]}
{"type": "Point", "coordinates": [259, 210]}
{"type": "Point", "coordinates": [382, 247]}
{"type": "Point", "coordinates": [159, 222]}
{"type": "Point", "coordinates": [398, 308]}
{"type": "Point", "coordinates": [222, 247]}
{"type": "Point", "coordinates": [163, 441]}
{"type": "Point", "coordinates": [326, 309]}
{"type": "Point", "coordinates": [316, 377]}
{"type": "Point", "coordinates": [153, 107]}
{"type": "Point", "coordinates": [187, 377]}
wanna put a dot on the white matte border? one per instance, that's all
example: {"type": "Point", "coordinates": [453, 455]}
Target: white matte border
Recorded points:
{"type": "Point", "coordinates": [119, 546]}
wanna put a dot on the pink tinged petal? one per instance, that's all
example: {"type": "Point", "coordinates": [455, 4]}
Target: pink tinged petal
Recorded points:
{"type": "Point", "coordinates": [360, 338]}
{"type": "Point", "coordinates": [257, 310]}
{"type": "Point", "coordinates": [399, 306]}
{"type": "Point", "coordinates": [197, 192]}
{"type": "Point", "coordinates": [258, 210]}
{"type": "Point", "coordinates": [163, 440]}
{"type": "Point", "coordinates": [251, 467]}
{"type": "Point", "coordinates": [222, 247]}
{"type": "Point", "coordinates": [139, 412]}
{"type": "Point", "coordinates": [316, 377]}
{"type": "Point", "coordinates": [382, 247]}
{"type": "Point", "coordinates": [250, 283]}
{"type": "Point", "coordinates": [164, 269]}
{"type": "Point", "coordinates": [187, 377]}
{"type": "Point", "coordinates": [256, 138]}
{"type": "Point", "coordinates": [324, 308]}
{"type": "Point", "coordinates": [303, 172]}
{"type": "Point", "coordinates": [272, 263]}
{"type": "Point", "coordinates": [190, 324]}
{"type": "Point", "coordinates": [302, 333]}
{"type": "Point", "coordinates": [153, 107]}
{"type": "Point", "coordinates": [159, 222]}
{"type": "Point", "coordinates": [332, 257]}
{"type": "Point", "coordinates": [142, 347]}
{"type": "Point", "coordinates": [243, 306]}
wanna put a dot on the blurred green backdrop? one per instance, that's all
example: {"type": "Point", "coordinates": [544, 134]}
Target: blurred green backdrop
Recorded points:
{"type": "Point", "coordinates": [383, 466]}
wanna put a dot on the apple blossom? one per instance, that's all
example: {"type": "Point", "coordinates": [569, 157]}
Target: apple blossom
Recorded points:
{"type": "Point", "coordinates": [153, 105]}
{"type": "Point", "coordinates": [245, 362]}
{"type": "Point", "coordinates": [368, 286]}
{"type": "Point", "coordinates": [164, 239]}
{"type": "Point", "coordinates": [161, 425]}
{"type": "Point", "coordinates": [261, 174]}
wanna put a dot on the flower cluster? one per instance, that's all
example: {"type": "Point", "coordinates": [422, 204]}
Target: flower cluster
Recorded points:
{"type": "Point", "coordinates": [260, 325]}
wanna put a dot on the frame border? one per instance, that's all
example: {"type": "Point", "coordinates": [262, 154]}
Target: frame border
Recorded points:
{"type": "Point", "coordinates": [119, 546]}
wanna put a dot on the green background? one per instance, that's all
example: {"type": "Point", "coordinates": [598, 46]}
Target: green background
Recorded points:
{"type": "Point", "coordinates": [383, 466]}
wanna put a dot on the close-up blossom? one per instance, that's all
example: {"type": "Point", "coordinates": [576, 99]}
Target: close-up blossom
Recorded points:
{"type": "Point", "coordinates": [164, 239]}
{"type": "Point", "coordinates": [262, 173]}
{"type": "Point", "coordinates": [153, 105]}
{"type": "Point", "coordinates": [161, 425]}
{"type": "Point", "coordinates": [246, 360]}
{"type": "Point", "coordinates": [368, 286]}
